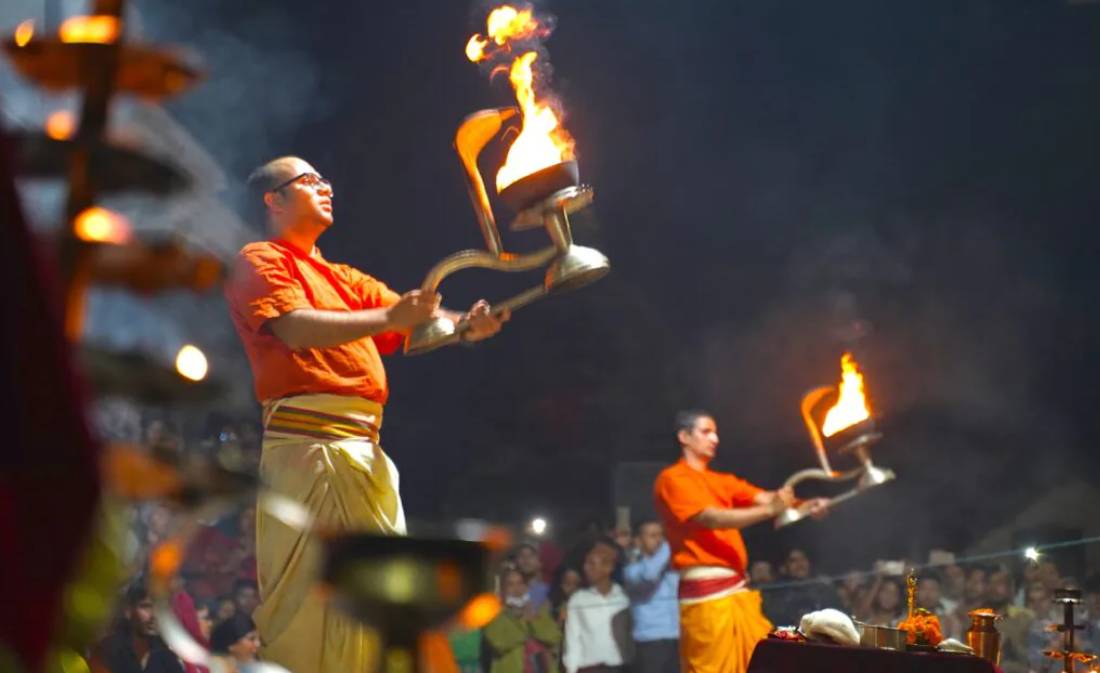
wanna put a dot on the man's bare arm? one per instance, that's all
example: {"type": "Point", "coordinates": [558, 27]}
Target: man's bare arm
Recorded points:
{"type": "Point", "coordinates": [768, 504]}
{"type": "Point", "coordinates": [313, 328]}
{"type": "Point", "coordinates": [739, 517]}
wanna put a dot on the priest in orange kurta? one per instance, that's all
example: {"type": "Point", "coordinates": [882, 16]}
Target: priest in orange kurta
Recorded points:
{"type": "Point", "coordinates": [314, 332]}
{"type": "Point", "coordinates": [703, 512]}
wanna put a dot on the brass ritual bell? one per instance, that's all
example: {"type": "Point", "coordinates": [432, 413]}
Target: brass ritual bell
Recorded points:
{"type": "Point", "coordinates": [544, 198]}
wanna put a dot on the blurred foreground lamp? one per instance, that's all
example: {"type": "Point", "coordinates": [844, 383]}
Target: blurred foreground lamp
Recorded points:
{"type": "Point", "coordinates": [403, 587]}
{"type": "Point", "coordinates": [839, 422]}
{"type": "Point", "coordinates": [539, 181]}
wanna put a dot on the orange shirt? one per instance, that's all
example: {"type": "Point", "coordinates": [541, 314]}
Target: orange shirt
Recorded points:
{"type": "Point", "coordinates": [273, 278]}
{"type": "Point", "coordinates": [681, 492]}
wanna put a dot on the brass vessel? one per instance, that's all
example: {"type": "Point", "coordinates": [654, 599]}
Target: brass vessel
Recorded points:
{"type": "Point", "coordinates": [983, 637]}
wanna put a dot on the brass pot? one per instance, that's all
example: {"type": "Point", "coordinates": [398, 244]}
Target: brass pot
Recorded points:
{"type": "Point", "coordinates": [983, 637]}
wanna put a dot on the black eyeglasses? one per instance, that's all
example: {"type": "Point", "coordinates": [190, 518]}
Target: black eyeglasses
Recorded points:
{"type": "Point", "coordinates": [311, 180]}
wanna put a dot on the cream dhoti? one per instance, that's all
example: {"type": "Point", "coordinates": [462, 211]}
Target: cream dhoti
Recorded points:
{"type": "Point", "coordinates": [720, 620]}
{"type": "Point", "coordinates": [323, 451]}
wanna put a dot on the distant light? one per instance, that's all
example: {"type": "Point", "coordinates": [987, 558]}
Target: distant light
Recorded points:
{"type": "Point", "coordinates": [191, 363]}
{"type": "Point", "coordinates": [24, 32]}
{"type": "Point", "coordinates": [60, 125]}
{"type": "Point", "coordinates": [538, 525]}
{"type": "Point", "coordinates": [99, 225]}
{"type": "Point", "coordinates": [1031, 554]}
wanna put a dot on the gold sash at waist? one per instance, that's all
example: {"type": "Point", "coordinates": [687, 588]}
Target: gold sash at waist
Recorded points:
{"type": "Point", "coordinates": [323, 416]}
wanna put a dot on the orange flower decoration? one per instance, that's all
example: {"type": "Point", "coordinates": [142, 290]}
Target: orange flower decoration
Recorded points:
{"type": "Point", "coordinates": [923, 628]}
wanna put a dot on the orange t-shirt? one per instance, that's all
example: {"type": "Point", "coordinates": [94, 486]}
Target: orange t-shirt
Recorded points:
{"type": "Point", "coordinates": [682, 492]}
{"type": "Point", "coordinates": [273, 278]}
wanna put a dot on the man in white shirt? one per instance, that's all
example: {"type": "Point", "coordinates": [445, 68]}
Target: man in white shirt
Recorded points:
{"type": "Point", "coordinates": [597, 618]}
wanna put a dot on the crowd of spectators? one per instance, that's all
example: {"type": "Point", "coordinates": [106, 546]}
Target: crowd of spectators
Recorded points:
{"type": "Point", "coordinates": [606, 603]}
{"type": "Point", "coordinates": [614, 604]}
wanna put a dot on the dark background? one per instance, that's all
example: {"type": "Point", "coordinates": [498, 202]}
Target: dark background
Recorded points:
{"type": "Point", "coordinates": [776, 182]}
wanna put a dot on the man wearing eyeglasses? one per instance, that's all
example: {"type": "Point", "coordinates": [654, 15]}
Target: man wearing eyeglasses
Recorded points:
{"type": "Point", "coordinates": [314, 333]}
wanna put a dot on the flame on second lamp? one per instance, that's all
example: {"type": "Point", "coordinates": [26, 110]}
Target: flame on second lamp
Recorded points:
{"type": "Point", "coordinates": [542, 141]}
{"type": "Point", "coordinates": [96, 29]}
{"type": "Point", "coordinates": [24, 32]}
{"type": "Point", "coordinates": [60, 125]}
{"type": "Point", "coordinates": [99, 225]}
{"type": "Point", "coordinates": [851, 405]}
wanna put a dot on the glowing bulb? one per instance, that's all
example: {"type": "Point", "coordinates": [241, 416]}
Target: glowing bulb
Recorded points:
{"type": "Point", "coordinates": [191, 363]}
{"type": "Point", "coordinates": [538, 525]}
{"type": "Point", "coordinates": [1031, 554]}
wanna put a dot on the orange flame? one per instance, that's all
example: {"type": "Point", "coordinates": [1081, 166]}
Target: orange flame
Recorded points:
{"type": "Point", "coordinates": [96, 29]}
{"type": "Point", "coordinates": [99, 225]}
{"type": "Point", "coordinates": [507, 23]}
{"type": "Point", "coordinates": [475, 48]}
{"type": "Point", "coordinates": [542, 142]}
{"type": "Point", "coordinates": [60, 125]}
{"type": "Point", "coordinates": [851, 405]}
{"type": "Point", "coordinates": [24, 32]}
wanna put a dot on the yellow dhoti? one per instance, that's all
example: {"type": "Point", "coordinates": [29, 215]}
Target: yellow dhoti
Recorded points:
{"type": "Point", "coordinates": [718, 635]}
{"type": "Point", "coordinates": [322, 450]}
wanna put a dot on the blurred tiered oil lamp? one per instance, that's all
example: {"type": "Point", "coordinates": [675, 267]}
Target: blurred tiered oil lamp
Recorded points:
{"type": "Point", "coordinates": [89, 54]}
{"type": "Point", "coordinates": [539, 180]}
{"type": "Point", "coordinates": [97, 246]}
{"type": "Point", "coordinates": [1069, 654]}
{"type": "Point", "coordinates": [839, 421]}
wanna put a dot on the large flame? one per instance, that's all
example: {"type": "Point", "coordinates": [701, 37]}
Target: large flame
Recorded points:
{"type": "Point", "coordinates": [851, 405]}
{"type": "Point", "coordinates": [542, 142]}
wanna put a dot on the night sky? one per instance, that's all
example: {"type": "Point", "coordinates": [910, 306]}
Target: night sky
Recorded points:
{"type": "Point", "coordinates": [776, 182]}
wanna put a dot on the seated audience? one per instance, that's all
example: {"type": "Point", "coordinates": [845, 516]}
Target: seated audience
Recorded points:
{"type": "Point", "coordinates": [135, 646]}
{"type": "Point", "coordinates": [597, 621]}
{"type": "Point", "coordinates": [652, 584]}
{"type": "Point", "coordinates": [523, 638]}
{"type": "Point", "coordinates": [803, 596]}
{"type": "Point", "coordinates": [235, 642]}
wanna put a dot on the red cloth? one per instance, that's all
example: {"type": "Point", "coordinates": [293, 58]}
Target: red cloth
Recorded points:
{"type": "Point", "coordinates": [781, 656]}
{"type": "Point", "coordinates": [273, 278]}
{"type": "Point", "coordinates": [681, 492]}
{"type": "Point", "coordinates": [184, 608]}
{"type": "Point", "coordinates": [49, 469]}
